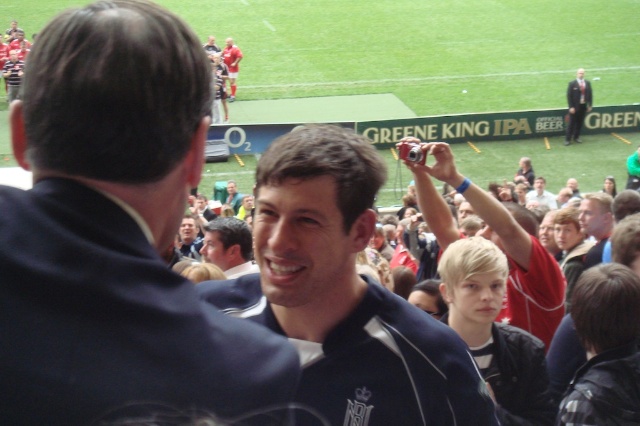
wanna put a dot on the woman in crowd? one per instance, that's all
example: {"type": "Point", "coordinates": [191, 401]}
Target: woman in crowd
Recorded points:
{"type": "Point", "coordinates": [610, 186]}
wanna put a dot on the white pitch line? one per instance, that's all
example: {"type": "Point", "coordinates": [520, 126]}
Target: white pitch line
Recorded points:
{"type": "Point", "coordinates": [268, 25]}
{"type": "Point", "coordinates": [245, 2]}
{"type": "Point", "coordinates": [437, 78]}
{"type": "Point", "coordinates": [622, 35]}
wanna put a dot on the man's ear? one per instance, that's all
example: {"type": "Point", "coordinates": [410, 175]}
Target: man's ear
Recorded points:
{"type": "Point", "coordinates": [234, 251]}
{"type": "Point", "coordinates": [18, 134]}
{"type": "Point", "coordinates": [362, 229]}
{"type": "Point", "coordinates": [194, 161]}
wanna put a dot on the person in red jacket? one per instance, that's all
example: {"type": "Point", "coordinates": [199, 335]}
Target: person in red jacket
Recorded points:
{"type": "Point", "coordinates": [536, 287]}
{"type": "Point", "coordinates": [232, 57]}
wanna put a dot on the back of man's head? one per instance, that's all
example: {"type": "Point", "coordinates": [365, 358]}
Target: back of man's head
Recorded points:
{"type": "Point", "coordinates": [389, 231]}
{"type": "Point", "coordinates": [565, 194]}
{"type": "Point", "coordinates": [626, 202]}
{"type": "Point", "coordinates": [525, 218]}
{"type": "Point", "coordinates": [470, 225]}
{"type": "Point", "coordinates": [379, 231]}
{"type": "Point", "coordinates": [326, 150]}
{"type": "Point", "coordinates": [114, 91]}
{"type": "Point", "coordinates": [604, 307]}
{"type": "Point", "coordinates": [232, 231]}
{"type": "Point", "coordinates": [625, 242]}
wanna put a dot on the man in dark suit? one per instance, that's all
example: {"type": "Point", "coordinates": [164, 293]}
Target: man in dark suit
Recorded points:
{"type": "Point", "coordinates": [94, 326]}
{"type": "Point", "coordinates": [580, 99]}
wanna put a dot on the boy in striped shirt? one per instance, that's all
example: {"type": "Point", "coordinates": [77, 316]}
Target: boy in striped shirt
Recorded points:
{"type": "Point", "coordinates": [474, 273]}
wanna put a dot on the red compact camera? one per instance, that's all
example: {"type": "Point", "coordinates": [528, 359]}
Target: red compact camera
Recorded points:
{"type": "Point", "coordinates": [411, 152]}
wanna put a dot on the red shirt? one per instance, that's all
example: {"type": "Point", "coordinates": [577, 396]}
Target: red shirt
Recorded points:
{"type": "Point", "coordinates": [4, 54]}
{"type": "Point", "coordinates": [534, 300]}
{"type": "Point", "coordinates": [231, 54]}
{"type": "Point", "coordinates": [22, 54]}
{"type": "Point", "coordinates": [15, 44]}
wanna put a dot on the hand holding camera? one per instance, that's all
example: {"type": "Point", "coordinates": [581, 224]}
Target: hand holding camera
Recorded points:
{"type": "Point", "coordinates": [443, 168]}
{"type": "Point", "coordinates": [410, 151]}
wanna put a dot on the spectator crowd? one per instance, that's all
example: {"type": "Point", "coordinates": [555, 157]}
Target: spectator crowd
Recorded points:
{"type": "Point", "coordinates": [144, 301]}
{"type": "Point", "coordinates": [527, 246]}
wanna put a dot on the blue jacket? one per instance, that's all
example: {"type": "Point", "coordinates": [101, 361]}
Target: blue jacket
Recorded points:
{"type": "Point", "coordinates": [93, 325]}
{"type": "Point", "coordinates": [387, 363]}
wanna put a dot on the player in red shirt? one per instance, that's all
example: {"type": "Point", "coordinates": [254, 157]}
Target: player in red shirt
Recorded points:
{"type": "Point", "coordinates": [4, 57]}
{"type": "Point", "coordinates": [15, 44]}
{"type": "Point", "coordinates": [23, 51]}
{"type": "Point", "coordinates": [4, 54]}
{"type": "Point", "coordinates": [232, 57]}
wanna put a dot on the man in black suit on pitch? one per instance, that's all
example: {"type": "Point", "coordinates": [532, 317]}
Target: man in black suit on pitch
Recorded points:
{"type": "Point", "coordinates": [93, 325]}
{"type": "Point", "coordinates": [580, 100]}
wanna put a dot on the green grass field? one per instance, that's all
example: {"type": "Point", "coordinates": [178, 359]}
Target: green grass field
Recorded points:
{"type": "Point", "coordinates": [508, 55]}
{"type": "Point", "coordinates": [590, 162]}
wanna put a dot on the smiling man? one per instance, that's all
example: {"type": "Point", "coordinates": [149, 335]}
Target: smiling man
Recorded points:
{"type": "Point", "coordinates": [190, 243]}
{"type": "Point", "coordinates": [368, 357]}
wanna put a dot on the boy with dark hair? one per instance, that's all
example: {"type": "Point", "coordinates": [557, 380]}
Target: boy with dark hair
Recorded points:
{"type": "Point", "coordinates": [607, 321]}
{"type": "Point", "coordinates": [625, 242]}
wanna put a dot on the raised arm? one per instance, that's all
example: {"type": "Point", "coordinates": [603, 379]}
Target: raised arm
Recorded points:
{"type": "Point", "coordinates": [515, 241]}
{"type": "Point", "coordinates": [434, 208]}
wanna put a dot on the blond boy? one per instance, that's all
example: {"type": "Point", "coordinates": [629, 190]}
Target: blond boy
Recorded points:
{"type": "Point", "coordinates": [474, 272]}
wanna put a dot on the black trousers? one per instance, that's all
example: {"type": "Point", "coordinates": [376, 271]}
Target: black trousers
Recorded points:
{"type": "Point", "coordinates": [575, 122]}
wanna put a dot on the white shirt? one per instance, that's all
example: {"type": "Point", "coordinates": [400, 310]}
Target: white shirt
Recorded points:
{"type": "Point", "coordinates": [242, 269]}
{"type": "Point", "coordinates": [546, 199]}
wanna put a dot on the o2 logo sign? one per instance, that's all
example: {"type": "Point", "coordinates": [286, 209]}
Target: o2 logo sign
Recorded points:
{"type": "Point", "coordinates": [236, 137]}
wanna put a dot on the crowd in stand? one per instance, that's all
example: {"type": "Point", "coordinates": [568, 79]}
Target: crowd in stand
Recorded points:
{"type": "Point", "coordinates": [512, 305]}
{"type": "Point", "coordinates": [420, 254]}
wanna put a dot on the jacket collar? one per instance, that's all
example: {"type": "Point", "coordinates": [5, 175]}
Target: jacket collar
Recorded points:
{"type": "Point", "coordinates": [610, 355]}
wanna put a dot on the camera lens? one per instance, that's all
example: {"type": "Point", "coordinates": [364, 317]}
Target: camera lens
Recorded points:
{"type": "Point", "coordinates": [415, 155]}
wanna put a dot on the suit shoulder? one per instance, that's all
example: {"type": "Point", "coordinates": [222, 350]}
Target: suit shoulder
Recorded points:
{"type": "Point", "coordinates": [240, 293]}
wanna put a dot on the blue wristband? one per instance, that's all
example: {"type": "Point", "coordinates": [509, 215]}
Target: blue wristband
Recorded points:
{"type": "Point", "coordinates": [463, 186]}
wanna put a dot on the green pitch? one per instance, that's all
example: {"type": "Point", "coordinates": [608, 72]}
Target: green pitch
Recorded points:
{"type": "Point", "coordinates": [506, 55]}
